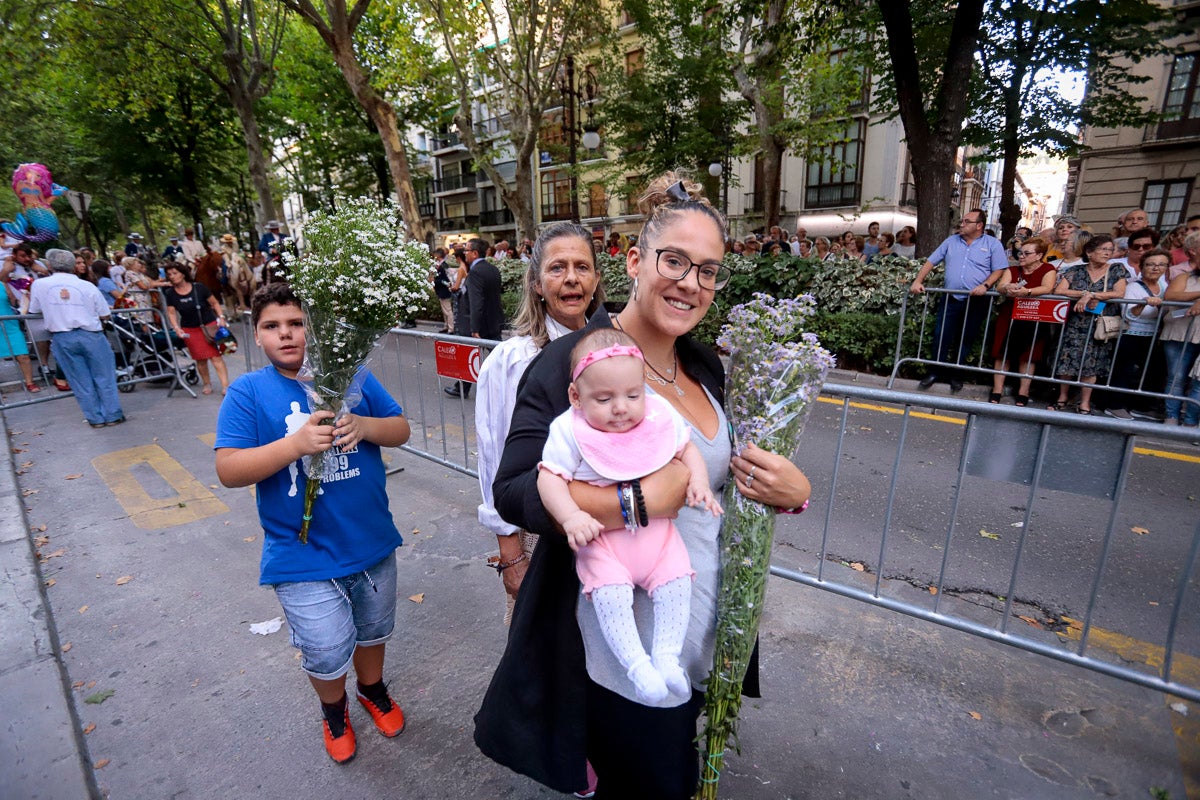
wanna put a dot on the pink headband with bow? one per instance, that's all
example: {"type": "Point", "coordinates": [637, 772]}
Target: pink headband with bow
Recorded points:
{"type": "Point", "coordinates": [611, 351]}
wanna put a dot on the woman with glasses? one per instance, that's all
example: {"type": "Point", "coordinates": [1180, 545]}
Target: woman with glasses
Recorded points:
{"type": "Point", "coordinates": [1020, 340]}
{"type": "Point", "coordinates": [1081, 356]}
{"type": "Point", "coordinates": [558, 694]}
{"type": "Point", "coordinates": [1138, 364]}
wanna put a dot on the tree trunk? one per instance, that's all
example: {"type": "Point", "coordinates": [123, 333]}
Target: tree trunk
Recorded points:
{"type": "Point", "coordinates": [772, 172]}
{"type": "Point", "coordinates": [932, 144]}
{"type": "Point", "coordinates": [383, 117]}
{"type": "Point", "coordinates": [256, 158]}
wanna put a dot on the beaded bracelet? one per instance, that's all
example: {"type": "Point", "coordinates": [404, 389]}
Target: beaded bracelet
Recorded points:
{"type": "Point", "coordinates": [503, 565]}
{"type": "Point", "coordinates": [640, 499]}
{"type": "Point", "coordinates": [800, 509]}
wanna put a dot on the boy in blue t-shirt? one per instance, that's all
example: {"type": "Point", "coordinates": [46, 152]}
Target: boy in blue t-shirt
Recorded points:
{"type": "Point", "coordinates": [339, 590]}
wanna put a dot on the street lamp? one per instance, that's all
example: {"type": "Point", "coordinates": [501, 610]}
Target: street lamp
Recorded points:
{"type": "Point", "coordinates": [572, 96]}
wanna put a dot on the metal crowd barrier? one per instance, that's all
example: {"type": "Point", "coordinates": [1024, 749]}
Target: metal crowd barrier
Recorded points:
{"type": "Point", "coordinates": [1002, 449]}
{"type": "Point", "coordinates": [143, 347]}
{"type": "Point", "coordinates": [1047, 370]}
{"type": "Point", "coordinates": [1072, 455]}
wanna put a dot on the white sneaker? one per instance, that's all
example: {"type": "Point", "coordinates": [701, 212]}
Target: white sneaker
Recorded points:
{"type": "Point", "coordinates": [1117, 413]}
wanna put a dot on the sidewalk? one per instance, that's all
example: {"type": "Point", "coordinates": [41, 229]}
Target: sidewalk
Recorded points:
{"type": "Point", "coordinates": [859, 703]}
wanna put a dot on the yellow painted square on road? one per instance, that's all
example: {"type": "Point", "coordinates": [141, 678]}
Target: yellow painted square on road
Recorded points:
{"type": "Point", "coordinates": [191, 502]}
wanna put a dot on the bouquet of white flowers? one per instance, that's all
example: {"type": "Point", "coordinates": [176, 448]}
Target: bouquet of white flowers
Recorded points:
{"type": "Point", "coordinates": [357, 278]}
{"type": "Point", "coordinates": [774, 378]}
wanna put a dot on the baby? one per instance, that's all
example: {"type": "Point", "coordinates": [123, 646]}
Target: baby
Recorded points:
{"type": "Point", "coordinates": [615, 433]}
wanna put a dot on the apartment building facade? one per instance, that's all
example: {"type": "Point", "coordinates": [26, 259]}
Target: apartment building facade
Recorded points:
{"type": "Point", "coordinates": [1153, 167]}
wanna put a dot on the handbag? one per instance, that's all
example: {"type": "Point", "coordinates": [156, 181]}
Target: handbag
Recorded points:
{"type": "Point", "coordinates": [1109, 326]}
{"type": "Point", "coordinates": [220, 337]}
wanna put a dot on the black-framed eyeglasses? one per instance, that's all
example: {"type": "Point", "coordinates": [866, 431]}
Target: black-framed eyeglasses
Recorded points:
{"type": "Point", "coordinates": [676, 266]}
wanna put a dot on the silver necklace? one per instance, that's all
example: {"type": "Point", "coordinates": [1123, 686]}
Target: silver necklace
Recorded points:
{"type": "Point", "coordinates": [654, 374]}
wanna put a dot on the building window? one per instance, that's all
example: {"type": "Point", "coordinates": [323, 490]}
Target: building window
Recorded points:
{"type": "Point", "coordinates": [1182, 103]}
{"type": "Point", "coordinates": [556, 196]}
{"type": "Point", "coordinates": [1166, 202]}
{"type": "Point", "coordinates": [634, 60]}
{"type": "Point", "coordinates": [597, 201]}
{"type": "Point", "coordinates": [834, 179]}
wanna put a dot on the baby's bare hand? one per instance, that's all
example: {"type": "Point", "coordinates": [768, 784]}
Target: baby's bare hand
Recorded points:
{"type": "Point", "coordinates": [581, 528]}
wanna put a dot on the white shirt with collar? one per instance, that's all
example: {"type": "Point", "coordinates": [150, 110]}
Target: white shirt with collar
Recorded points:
{"type": "Point", "coordinates": [67, 302]}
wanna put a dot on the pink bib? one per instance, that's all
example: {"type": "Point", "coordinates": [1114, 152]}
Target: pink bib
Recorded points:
{"type": "Point", "coordinates": [629, 454]}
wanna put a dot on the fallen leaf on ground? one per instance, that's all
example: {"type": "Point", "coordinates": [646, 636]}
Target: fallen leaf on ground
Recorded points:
{"type": "Point", "coordinates": [102, 763]}
{"type": "Point", "coordinates": [1029, 621]}
{"type": "Point", "coordinates": [213, 486]}
{"type": "Point", "coordinates": [18, 450]}
{"type": "Point", "coordinates": [1140, 531]}
{"type": "Point", "coordinates": [90, 684]}
{"type": "Point", "coordinates": [50, 582]}
{"type": "Point", "coordinates": [66, 647]}
{"type": "Point", "coordinates": [988, 534]}
{"type": "Point", "coordinates": [77, 685]}
{"type": "Point", "coordinates": [857, 567]}
{"type": "Point", "coordinates": [41, 540]}
{"type": "Point", "coordinates": [933, 590]}
{"type": "Point", "coordinates": [27, 492]}
{"type": "Point", "coordinates": [27, 465]}
{"type": "Point", "coordinates": [248, 538]}
{"type": "Point", "coordinates": [416, 530]}
{"type": "Point", "coordinates": [82, 609]}
{"type": "Point", "coordinates": [100, 696]}
{"type": "Point", "coordinates": [41, 529]}
{"type": "Point", "coordinates": [1153, 602]}
{"type": "Point", "coordinates": [91, 726]}
{"type": "Point", "coordinates": [418, 598]}
{"type": "Point", "coordinates": [124, 579]}
{"type": "Point", "coordinates": [975, 715]}
{"type": "Point", "coordinates": [76, 475]}
{"type": "Point", "coordinates": [59, 552]}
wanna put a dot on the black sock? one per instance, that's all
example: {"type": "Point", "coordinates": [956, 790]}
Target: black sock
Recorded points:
{"type": "Point", "coordinates": [335, 715]}
{"type": "Point", "coordinates": [377, 694]}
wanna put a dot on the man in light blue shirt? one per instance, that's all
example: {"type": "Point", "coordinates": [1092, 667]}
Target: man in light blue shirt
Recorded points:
{"type": "Point", "coordinates": [970, 257]}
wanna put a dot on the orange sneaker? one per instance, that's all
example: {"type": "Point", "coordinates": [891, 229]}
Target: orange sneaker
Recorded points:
{"type": "Point", "coordinates": [340, 748]}
{"type": "Point", "coordinates": [390, 721]}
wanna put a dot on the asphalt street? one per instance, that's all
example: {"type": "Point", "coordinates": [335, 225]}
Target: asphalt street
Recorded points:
{"type": "Point", "coordinates": [128, 668]}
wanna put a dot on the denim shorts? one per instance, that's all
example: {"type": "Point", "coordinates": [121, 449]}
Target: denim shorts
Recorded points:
{"type": "Point", "coordinates": [329, 619]}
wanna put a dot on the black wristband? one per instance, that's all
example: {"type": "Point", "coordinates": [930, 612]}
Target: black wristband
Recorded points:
{"type": "Point", "coordinates": [640, 499]}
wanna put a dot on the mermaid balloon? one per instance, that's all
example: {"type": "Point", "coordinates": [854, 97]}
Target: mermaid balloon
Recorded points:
{"type": "Point", "coordinates": [35, 190]}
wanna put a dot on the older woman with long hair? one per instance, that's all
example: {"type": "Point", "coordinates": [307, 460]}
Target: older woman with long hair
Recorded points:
{"type": "Point", "coordinates": [560, 289]}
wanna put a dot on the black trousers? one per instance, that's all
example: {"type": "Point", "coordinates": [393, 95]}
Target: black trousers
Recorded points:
{"type": "Point", "coordinates": [642, 753]}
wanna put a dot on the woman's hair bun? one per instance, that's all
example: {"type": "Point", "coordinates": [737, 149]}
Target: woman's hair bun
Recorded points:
{"type": "Point", "coordinates": [658, 192]}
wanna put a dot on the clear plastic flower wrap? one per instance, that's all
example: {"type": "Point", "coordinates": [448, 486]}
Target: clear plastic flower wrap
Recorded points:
{"type": "Point", "coordinates": [358, 277]}
{"type": "Point", "coordinates": [775, 375]}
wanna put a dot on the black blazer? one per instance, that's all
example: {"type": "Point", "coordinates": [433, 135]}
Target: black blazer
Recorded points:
{"type": "Point", "coordinates": [532, 717]}
{"type": "Point", "coordinates": [483, 292]}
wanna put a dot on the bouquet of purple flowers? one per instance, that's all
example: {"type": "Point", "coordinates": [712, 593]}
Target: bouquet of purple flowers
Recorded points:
{"type": "Point", "coordinates": [775, 376]}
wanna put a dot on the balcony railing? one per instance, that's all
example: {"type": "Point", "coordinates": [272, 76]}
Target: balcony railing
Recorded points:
{"type": "Point", "coordinates": [832, 195]}
{"type": "Point", "coordinates": [755, 201]}
{"type": "Point", "coordinates": [455, 183]}
{"type": "Point", "coordinates": [467, 223]}
{"type": "Point", "coordinates": [556, 211]}
{"type": "Point", "coordinates": [493, 126]}
{"type": "Point", "coordinates": [908, 195]}
{"type": "Point", "coordinates": [498, 216]}
{"type": "Point", "coordinates": [426, 209]}
{"type": "Point", "coordinates": [444, 141]}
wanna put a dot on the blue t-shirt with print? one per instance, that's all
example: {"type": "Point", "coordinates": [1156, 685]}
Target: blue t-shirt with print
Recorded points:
{"type": "Point", "coordinates": [352, 527]}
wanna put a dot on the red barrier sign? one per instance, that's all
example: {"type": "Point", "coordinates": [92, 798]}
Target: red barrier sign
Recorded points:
{"type": "Point", "coordinates": [458, 361]}
{"type": "Point", "coordinates": [1033, 309]}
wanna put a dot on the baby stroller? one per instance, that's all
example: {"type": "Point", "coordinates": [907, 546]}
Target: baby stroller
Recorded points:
{"type": "Point", "coordinates": [147, 351]}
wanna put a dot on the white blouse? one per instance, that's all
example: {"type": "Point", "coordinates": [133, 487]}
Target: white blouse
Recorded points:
{"type": "Point", "coordinates": [495, 400]}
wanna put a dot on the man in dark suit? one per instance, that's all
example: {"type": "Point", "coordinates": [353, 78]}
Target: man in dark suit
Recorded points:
{"type": "Point", "coordinates": [483, 297]}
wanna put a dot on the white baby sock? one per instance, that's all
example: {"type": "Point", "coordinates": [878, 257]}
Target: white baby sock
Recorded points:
{"type": "Point", "coordinates": [672, 612]}
{"type": "Point", "coordinates": [614, 609]}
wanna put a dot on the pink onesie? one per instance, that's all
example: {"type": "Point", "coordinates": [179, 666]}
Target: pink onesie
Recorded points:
{"type": "Point", "coordinates": [651, 555]}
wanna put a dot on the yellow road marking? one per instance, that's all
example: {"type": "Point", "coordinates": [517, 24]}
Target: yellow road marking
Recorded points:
{"type": "Point", "coordinates": [208, 438]}
{"type": "Point", "coordinates": [890, 410]}
{"type": "Point", "coordinates": [1141, 451]}
{"type": "Point", "coordinates": [1184, 669]}
{"type": "Point", "coordinates": [192, 500]}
